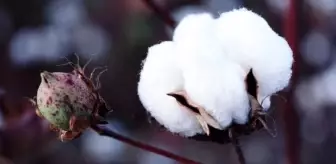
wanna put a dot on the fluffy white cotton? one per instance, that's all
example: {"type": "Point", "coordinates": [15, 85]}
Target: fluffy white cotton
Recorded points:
{"type": "Point", "coordinates": [193, 27]}
{"type": "Point", "coordinates": [210, 58]}
{"type": "Point", "coordinates": [212, 81]}
{"type": "Point", "coordinates": [159, 76]}
{"type": "Point", "coordinates": [247, 39]}
{"type": "Point", "coordinates": [222, 94]}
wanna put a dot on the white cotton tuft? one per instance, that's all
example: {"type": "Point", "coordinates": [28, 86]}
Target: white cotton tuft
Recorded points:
{"type": "Point", "coordinates": [159, 76]}
{"type": "Point", "coordinates": [210, 58]}
{"type": "Point", "coordinates": [194, 26]}
{"type": "Point", "coordinates": [210, 80]}
{"type": "Point", "coordinates": [220, 89]}
{"type": "Point", "coordinates": [247, 39]}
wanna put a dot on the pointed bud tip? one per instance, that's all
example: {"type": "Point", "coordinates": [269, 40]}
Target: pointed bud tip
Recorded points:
{"type": "Point", "coordinates": [171, 94]}
{"type": "Point", "coordinates": [45, 74]}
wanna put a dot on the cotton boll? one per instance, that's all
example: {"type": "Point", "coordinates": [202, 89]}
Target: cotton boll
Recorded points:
{"type": "Point", "coordinates": [219, 88]}
{"type": "Point", "coordinates": [160, 76]}
{"type": "Point", "coordinates": [213, 82]}
{"type": "Point", "coordinates": [210, 79]}
{"type": "Point", "coordinates": [247, 39]}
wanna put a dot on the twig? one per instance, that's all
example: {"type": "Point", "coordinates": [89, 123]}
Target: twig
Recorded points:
{"type": "Point", "coordinates": [236, 145]}
{"type": "Point", "coordinates": [163, 14]}
{"type": "Point", "coordinates": [290, 116]}
{"type": "Point", "coordinates": [109, 133]}
{"type": "Point", "coordinates": [238, 150]}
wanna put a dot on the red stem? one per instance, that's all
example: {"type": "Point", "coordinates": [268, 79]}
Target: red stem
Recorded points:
{"type": "Point", "coordinates": [163, 14]}
{"type": "Point", "coordinates": [289, 115]}
{"type": "Point", "coordinates": [237, 147]}
{"type": "Point", "coordinates": [107, 132]}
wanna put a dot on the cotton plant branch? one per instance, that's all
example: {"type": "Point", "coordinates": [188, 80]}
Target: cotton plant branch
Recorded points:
{"type": "Point", "coordinates": [237, 147]}
{"type": "Point", "coordinates": [290, 116]}
{"type": "Point", "coordinates": [163, 14]}
{"type": "Point", "coordinates": [101, 130]}
{"type": "Point", "coordinates": [239, 151]}
{"type": "Point", "coordinates": [22, 123]}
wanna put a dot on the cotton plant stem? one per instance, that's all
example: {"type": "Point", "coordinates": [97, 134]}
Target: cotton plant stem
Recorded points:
{"type": "Point", "coordinates": [290, 116]}
{"type": "Point", "coordinates": [101, 130]}
{"type": "Point", "coordinates": [236, 144]}
{"type": "Point", "coordinates": [239, 151]}
{"type": "Point", "coordinates": [164, 15]}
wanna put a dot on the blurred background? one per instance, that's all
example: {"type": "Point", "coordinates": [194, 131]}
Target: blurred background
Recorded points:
{"type": "Point", "coordinates": [36, 34]}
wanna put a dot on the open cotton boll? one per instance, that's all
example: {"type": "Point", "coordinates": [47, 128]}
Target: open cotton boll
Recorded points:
{"type": "Point", "coordinates": [247, 39]}
{"type": "Point", "coordinates": [213, 82]}
{"type": "Point", "coordinates": [159, 76]}
{"type": "Point", "coordinates": [219, 88]}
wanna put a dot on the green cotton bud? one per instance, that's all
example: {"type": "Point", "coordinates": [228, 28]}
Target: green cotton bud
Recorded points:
{"type": "Point", "coordinates": [69, 102]}
{"type": "Point", "coordinates": [62, 95]}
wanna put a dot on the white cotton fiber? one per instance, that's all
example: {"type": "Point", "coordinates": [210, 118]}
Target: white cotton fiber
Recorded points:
{"type": "Point", "coordinates": [210, 58]}
{"type": "Point", "coordinates": [212, 81]}
{"type": "Point", "coordinates": [160, 76]}
{"type": "Point", "coordinates": [195, 26]}
{"type": "Point", "coordinates": [247, 39]}
{"type": "Point", "coordinates": [220, 89]}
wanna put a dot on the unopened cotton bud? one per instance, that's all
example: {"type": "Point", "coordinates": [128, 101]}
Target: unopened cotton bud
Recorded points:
{"type": "Point", "coordinates": [158, 77]}
{"type": "Point", "coordinates": [70, 102]}
{"type": "Point", "coordinates": [62, 95]}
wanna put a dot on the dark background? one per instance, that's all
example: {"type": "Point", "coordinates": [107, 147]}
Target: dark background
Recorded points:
{"type": "Point", "coordinates": [35, 34]}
